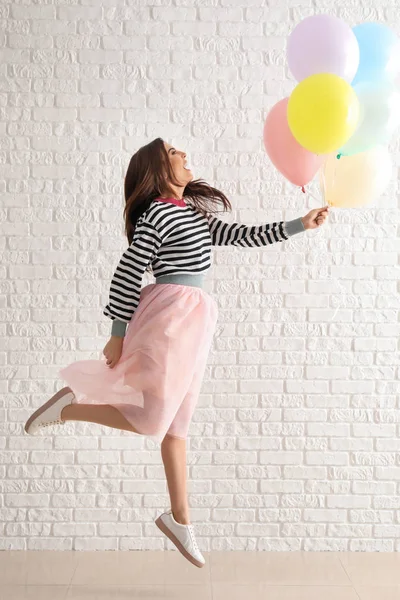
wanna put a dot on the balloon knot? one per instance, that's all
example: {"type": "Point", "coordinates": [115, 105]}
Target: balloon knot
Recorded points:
{"type": "Point", "coordinates": [302, 189]}
{"type": "Point", "coordinates": [338, 155]}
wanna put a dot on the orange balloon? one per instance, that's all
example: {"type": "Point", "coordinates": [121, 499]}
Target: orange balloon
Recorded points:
{"type": "Point", "coordinates": [356, 180]}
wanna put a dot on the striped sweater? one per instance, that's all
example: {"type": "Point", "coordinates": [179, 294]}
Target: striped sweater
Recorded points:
{"type": "Point", "coordinates": [175, 238]}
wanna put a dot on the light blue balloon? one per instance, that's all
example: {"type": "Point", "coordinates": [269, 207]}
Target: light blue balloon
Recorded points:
{"type": "Point", "coordinates": [379, 52]}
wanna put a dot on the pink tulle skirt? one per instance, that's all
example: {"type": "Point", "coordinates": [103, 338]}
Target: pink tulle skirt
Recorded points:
{"type": "Point", "coordinates": [157, 381]}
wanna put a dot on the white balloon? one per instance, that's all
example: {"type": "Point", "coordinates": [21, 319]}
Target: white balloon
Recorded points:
{"type": "Point", "coordinates": [379, 116]}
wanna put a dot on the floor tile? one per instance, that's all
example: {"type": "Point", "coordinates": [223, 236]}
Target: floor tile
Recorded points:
{"type": "Point", "coordinates": [280, 568]}
{"type": "Point", "coordinates": [372, 568]}
{"type": "Point", "coordinates": [154, 575]}
{"type": "Point", "coordinates": [121, 568]}
{"type": "Point", "coordinates": [37, 567]}
{"type": "Point", "coordinates": [145, 592]}
{"type": "Point", "coordinates": [113, 592]}
{"type": "Point", "coordinates": [378, 593]}
{"type": "Point", "coordinates": [186, 592]}
{"type": "Point", "coordinates": [138, 568]}
{"type": "Point", "coordinates": [13, 567]}
{"type": "Point", "coordinates": [225, 591]}
{"type": "Point", "coordinates": [33, 592]}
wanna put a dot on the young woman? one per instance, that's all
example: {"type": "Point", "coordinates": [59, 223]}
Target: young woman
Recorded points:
{"type": "Point", "coordinates": [155, 359]}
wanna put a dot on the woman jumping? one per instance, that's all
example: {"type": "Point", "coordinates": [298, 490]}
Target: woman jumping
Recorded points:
{"type": "Point", "coordinates": [150, 377]}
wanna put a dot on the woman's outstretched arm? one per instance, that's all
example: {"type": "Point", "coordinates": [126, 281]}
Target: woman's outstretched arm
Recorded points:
{"type": "Point", "coordinates": [235, 234]}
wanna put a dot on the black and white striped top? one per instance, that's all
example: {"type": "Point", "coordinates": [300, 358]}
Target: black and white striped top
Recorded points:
{"type": "Point", "coordinates": [177, 239]}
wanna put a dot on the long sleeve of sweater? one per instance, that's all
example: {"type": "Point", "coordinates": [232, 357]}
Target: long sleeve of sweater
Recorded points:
{"type": "Point", "coordinates": [235, 234]}
{"type": "Point", "coordinates": [126, 283]}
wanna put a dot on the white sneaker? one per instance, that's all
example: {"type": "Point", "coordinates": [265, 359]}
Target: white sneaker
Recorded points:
{"type": "Point", "coordinates": [50, 412]}
{"type": "Point", "coordinates": [182, 536]}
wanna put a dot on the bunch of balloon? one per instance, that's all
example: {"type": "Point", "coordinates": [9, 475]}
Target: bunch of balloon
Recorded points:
{"type": "Point", "coordinates": [364, 168]}
{"type": "Point", "coordinates": [343, 110]}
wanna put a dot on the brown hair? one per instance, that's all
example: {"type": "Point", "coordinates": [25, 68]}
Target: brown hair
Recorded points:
{"type": "Point", "coordinates": [147, 178]}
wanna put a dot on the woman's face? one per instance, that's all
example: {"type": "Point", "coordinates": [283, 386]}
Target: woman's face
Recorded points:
{"type": "Point", "coordinates": [177, 159]}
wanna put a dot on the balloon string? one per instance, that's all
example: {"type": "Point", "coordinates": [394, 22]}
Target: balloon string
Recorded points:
{"type": "Point", "coordinates": [322, 171]}
{"type": "Point", "coordinates": [323, 183]}
{"type": "Point", "coordinates": [315, 197]}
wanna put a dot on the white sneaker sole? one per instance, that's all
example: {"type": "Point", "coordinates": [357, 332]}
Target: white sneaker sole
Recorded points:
{"type": "Point", "coordinates": [53, 400]}
{"type": "Point", "coordinates": [161, 525]}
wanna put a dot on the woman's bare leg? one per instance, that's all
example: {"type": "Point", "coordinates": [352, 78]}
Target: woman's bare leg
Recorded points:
{"type": "Point", "coordinates": [103, 414]}
{"type": "Point", "coordinates": [173, 452]}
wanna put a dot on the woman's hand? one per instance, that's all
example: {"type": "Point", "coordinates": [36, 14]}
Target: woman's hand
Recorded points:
{"type": "Point", "coordinates": [315, 218]}
{"type": "Point", "coordinates": [113, 350]}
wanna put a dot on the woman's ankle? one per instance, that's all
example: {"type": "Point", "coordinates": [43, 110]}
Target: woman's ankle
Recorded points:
{"type": "Point", "coordinates": [181, 517]}
{"type": "Point", "coordinates": [64, 413]}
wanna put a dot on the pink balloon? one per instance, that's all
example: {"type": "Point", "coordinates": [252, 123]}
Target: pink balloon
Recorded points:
{"type": "Point", "coordinates": [296, 163]}
{"type": "Point", "coordinates": [323, 44]}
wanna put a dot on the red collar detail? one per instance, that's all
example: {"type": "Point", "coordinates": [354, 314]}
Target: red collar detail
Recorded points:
{"type": "Point", "coordinates": [176, 201]}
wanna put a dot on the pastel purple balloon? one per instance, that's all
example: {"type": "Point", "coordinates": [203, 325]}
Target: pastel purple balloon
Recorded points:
{"type": "Point", "coordinates": [323, 44]}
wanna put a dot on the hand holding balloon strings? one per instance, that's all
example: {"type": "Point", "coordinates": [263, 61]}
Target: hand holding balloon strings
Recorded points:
{"type": "Point", "coordinates": [315, 218]}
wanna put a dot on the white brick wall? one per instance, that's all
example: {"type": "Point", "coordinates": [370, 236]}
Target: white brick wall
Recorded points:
{"type": "Point", "coordinates": [295, 443]}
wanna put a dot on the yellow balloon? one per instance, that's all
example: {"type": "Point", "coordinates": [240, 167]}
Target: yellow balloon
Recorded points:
{"type": "Point", "coordinates": [356, 180]}
{"type": "Point", "coordinates": [323, 112]}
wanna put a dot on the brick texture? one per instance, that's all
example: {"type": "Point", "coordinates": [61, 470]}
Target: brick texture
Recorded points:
{"type": "Point", "coordinates": [295, 442]}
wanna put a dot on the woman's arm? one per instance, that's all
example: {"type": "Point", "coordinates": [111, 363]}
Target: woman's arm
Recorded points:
{"type": "Point", "coordinates": [234, 234]}
{"type": "Point", "coordinates": [126, 283]}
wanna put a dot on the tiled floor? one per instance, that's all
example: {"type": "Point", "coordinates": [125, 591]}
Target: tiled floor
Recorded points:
{"type": "Point", "coordinates": [226, 576]}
